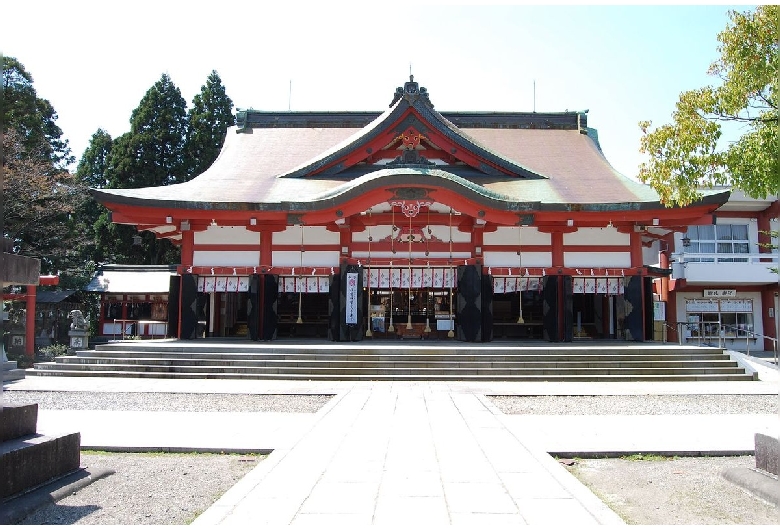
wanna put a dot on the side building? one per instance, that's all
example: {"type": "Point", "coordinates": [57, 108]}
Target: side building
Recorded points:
{"type": "Point", "coordinates": [724, 283]}
{"type": "Point", "coordinates": [412, 223]}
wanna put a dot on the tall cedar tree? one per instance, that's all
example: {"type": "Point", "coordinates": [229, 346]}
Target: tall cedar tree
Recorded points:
{"type": "Point", "coordinates": [687, 154]}
{"type": "Point", "coordinates": [91, 172]}
{"type": "Point", "coordinates": [209, 118]}
{"type": "Point", "coordinates": [32, 117]}
{"type": "Point", "coordinates": [151, 154]}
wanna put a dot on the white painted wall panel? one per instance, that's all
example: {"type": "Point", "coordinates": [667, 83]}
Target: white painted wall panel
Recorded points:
{"type": "Point", "coordinates": [596, 236]}
{"type": "Point", "coordinates": [220, 235]}
{"type": "Point", "coordinates": [226, 258]}
{"type": "Point", "coordinates": [513, 235]}
{"type": "Point", "coordinates": [511, 259]}
{"type": "Point", "coordinates": [310, 259]}
{"type": "Point", "coordinates": [312, 235]}
{"type": "Point", "coordinates": [597, 259]}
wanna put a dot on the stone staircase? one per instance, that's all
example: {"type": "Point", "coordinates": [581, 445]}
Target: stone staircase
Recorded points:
{"type": "Point", "coordinates": [374, 361]}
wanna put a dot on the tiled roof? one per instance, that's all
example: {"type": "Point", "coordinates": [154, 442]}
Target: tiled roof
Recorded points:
{"type": "Point", "coordinates": [553, 160]}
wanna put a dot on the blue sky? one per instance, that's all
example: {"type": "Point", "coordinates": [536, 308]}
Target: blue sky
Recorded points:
{"type": "Point", "coordinates": [95, 60]}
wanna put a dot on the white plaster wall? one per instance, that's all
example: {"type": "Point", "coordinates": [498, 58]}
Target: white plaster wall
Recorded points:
{"type": "Point", "coordinates": [514, 235]}
{"type": "Point", "coordinates": [226, 258]}
{"type": "Point", "coordinates": [597, 259]}
{"type": "Point", "coordinates": [312, 235]}
{"type": "Point", "coordinates": [221, 235]}
{"type": "Point", "coordinates": [310, 259]}
{"type": "Point", "coordinates": [596, 236]}
{"type": "Point", "coordinates": [511, 259]}
{"type": "Point", "coordinates": [443, 233]}
{"type": "Point", "coordinates": [377, 233]}
{"type": "Point", "coordinates": [437, 231]}
{"type": "Point", "coordinates": [403, 256]}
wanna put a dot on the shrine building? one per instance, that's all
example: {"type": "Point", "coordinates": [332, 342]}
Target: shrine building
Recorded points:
{"type": "Point", "coordinates": [411, 224]}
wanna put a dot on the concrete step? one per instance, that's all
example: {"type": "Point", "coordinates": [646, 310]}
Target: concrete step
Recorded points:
{"type": "Point", "coordinates": [410, 362]}
{"type": "Point", "coordinates": [336, 371]}
{"type": "Point", "coordinates": [410, 377]}
{"type": "Point", "coordinates": [396, 357]}
{"type": "Point", "coordinates": [370, 360]}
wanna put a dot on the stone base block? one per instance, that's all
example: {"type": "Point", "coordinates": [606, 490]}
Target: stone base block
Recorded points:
{"type": "Point", "coordinates": [17, 421]}
{"type": "Point", "coordinates": [33, 460]}
{"type": "Point", "coordinates": [11, 371]}
{"type": "Point", "coordinates": [768, 454]}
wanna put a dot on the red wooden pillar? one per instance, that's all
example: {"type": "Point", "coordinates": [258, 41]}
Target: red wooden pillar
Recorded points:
{"type": "Point", "coordinates": [768, 300]}
{"type": "Point", "coordinates": [556, 241]}
{"type": "Point", "coordinates": [187, 247]}
{"type": "Point", "coordinates": [636, 249]}
{"type": "Point", "coordinates": [266, 248]}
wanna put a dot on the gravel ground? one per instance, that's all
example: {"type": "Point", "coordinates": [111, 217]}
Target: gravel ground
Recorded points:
{"type": "Point", "coordinates": [169, 402]}
{"type": "Point", "coordinates": [151, 488]}
{"type": "Point", "coordinates": [689, 491]}
{"type": "Point", "coordinates": [635, 405]}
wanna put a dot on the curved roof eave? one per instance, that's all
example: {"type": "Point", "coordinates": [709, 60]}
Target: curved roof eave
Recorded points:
{"type": "Point", "coordinates": [394, 177]}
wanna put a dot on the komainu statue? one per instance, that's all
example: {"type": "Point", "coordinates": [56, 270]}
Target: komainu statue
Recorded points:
{"type": "Point", "coordinates": [78, 322]}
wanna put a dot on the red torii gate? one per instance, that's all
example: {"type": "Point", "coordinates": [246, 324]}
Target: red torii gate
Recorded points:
{"type": "Point", "coordinates": [29, 298]}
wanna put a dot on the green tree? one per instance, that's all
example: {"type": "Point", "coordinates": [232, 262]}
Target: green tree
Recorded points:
{"type": "Point", "coordinates": [38, 206]}
{"type": "Point", "coordinates": [688, 153]}
{"type": "Point", "coordinates": [91, 172]}
{"type": "Point", "coordinates": [94, 162]}
{"type": "Point", "coordinates": [152, 153]}
{"type": "Point", "coordinates": [39, 196]}
{"type": "Point", "coordinates": [32, 117]}
{"type": "Point", "coordinates": [209, 118]}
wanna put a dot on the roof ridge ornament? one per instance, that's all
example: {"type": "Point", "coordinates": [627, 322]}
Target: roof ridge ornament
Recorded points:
{"type": "Point", "coordinates": [411, 92]}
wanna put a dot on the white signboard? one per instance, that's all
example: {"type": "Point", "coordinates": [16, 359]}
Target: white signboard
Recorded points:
{"type": "Point", "coordinates": [720, 293]}
{"type": "Point", "coordinates": [352, 295]}
{"type": "Point", "coordinates": [737, 306]}
{"type": "Point", "coordinates": [659, 311]}
{"type": "Point", "coordinates": [701, 306]}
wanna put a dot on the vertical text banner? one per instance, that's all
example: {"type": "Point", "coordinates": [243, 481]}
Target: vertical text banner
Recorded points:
{"type": "Point", "coordinates": [352, 294]}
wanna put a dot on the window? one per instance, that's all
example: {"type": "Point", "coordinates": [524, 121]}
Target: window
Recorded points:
{"type": "Point", "coordinates": [723, 241]}
{"type": "Point", "coordinates": [728, 318]}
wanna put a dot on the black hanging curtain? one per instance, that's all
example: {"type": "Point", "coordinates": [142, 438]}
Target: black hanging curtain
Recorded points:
{"type": "Point", "coordinates": [468, 308]}
{"type": "Point", "coordinates": [253, 315]}
{"type": "Point", "coordinates": [486, 297]}
{"type": "Point", "coordinates": [268, 308]}
{"type": "Point", "coordinates": [648, 307]}
{"type": "Point", "coordinates": [550, 308]}
{"type": "Point", "coordinates": [189, 306]}
{"type": "Point", "coordinates": [567, 295]}
{"type": "Point", "coordinates": [634, 322]}
{"type": "Point", "coordinates": [173, 306]}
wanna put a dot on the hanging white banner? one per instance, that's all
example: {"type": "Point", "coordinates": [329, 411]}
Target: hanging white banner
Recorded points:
{"type": "Point", "coordinates": [352, 295]}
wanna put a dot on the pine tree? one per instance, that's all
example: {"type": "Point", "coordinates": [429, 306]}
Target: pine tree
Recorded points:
{"type": "Point", "coordinates": [209, 118]}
